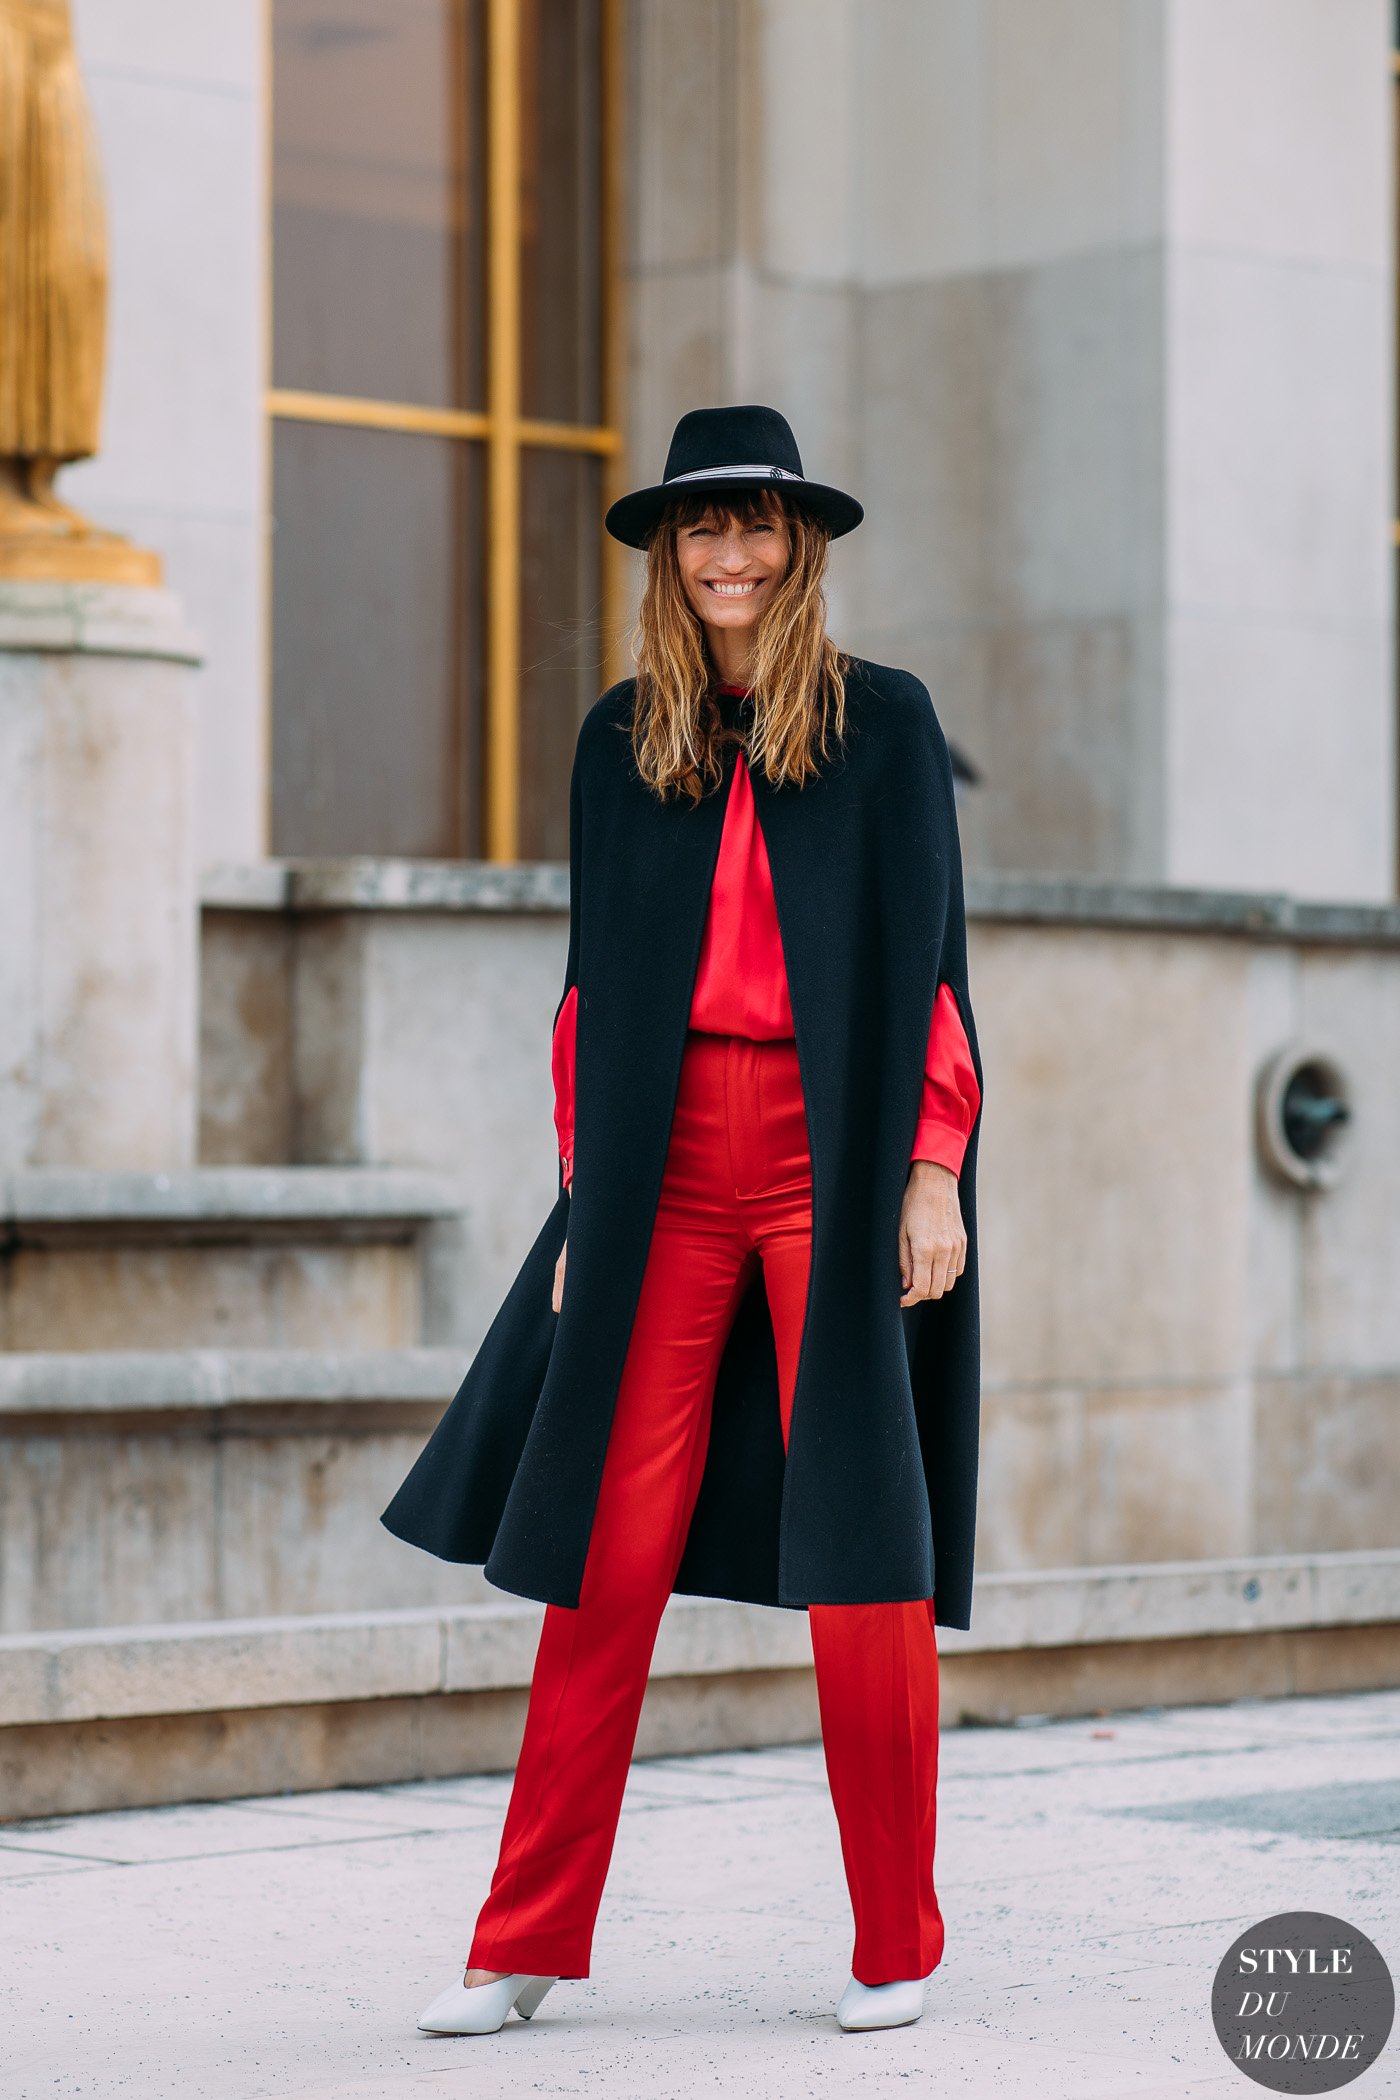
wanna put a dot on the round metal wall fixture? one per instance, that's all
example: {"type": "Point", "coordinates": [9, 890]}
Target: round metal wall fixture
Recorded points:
{"type": "Point", "coordinates": [1304, 1114]}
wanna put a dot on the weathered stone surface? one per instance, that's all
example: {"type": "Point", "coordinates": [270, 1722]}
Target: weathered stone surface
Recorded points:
{"type": "Point", "coordinates": [1033, 897]}
{"type": "Point", "coordinates": [98, 906]}
{"type": "Point", "coordinates": [217, 1380]}
{"type": "Point", "coordinates": [254, 1256]}
{"type": "Point", "coordinates": [140, 1489]}
{"type": "Point", "coordinates": [235, 1200]}
{"type": "Point", "coordinates": [277, 1293]}
{"type": "Point", "coordinates": [65, 1767]}
{"type": "Point", "coordinates": [208, 1667]}
{"type": "Point", "coordinates": [1070, 1607]}
{"type": "Point", "coordinates": [245, 1039]}
{"type": "Point", "coordinates": [1114, 1169]}
{"type": "Point", "coordinates": [95, 619]}
{"type": "Point", "coordinates": [220, 1665]}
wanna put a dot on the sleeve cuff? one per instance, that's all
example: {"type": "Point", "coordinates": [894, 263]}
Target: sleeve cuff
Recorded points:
{"type": "Point", "coordinates": [937, 1142]}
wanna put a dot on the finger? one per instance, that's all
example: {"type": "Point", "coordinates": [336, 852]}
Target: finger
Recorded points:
{"type": "Point", "coordinates": [906, 1258]}
{"type": "Point", "coordinates": [940, 1264]}
{"type": "Point", "coordinates": [923, 1275]}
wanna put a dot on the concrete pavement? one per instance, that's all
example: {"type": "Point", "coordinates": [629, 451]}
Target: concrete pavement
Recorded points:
{"type": "Point", "coordinates": [1091, 1872]}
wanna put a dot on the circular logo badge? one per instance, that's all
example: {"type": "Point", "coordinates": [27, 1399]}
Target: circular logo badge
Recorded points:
{"type": "Point", "coordinates": [1303, 2002]}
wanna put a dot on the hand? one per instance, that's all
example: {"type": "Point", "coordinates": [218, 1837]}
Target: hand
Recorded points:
{"type": "Point", "coordinates": [932, 1237]}
{"type": "Point", "coordinates": [558, 1298]}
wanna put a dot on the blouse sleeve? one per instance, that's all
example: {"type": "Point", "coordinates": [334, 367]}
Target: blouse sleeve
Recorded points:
{"type": "Point", "coordinates": [951, 1096]}
{"type": "Point", "coordinates": [562, 1067]}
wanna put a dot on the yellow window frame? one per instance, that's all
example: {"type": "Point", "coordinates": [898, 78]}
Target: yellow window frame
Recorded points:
{"type": "Point", "coordinates": [500, 426]}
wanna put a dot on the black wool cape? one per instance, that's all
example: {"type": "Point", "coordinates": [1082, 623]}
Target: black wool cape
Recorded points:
{"type": "Point", "coordinates": [875, 1498]}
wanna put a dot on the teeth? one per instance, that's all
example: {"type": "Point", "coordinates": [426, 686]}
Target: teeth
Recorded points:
{"type": "Point", "coordinates": [734, 590]}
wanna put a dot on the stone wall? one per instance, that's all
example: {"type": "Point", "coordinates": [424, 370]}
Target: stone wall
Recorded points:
{"type": "Point", "coordinates": [1091, 305]}
{"type": "Point", "coordinates": [179, 95]}
{"type": "Point", "coordinates": [1183, 1356]}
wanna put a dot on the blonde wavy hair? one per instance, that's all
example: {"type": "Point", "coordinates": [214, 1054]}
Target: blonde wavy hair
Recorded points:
{"type": "Point", "coordinates": [799, 674]}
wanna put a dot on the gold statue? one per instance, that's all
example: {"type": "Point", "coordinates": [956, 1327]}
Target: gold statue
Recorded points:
{"type": "Point", "coordinates": [53, 305]}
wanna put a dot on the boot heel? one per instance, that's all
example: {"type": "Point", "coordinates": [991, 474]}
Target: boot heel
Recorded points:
{"type": "Point", "coordinates": [529, 2001]}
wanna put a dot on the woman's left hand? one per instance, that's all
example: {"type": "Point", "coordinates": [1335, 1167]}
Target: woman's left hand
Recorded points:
{"type": "Point", "coordinates": [932, 1237]}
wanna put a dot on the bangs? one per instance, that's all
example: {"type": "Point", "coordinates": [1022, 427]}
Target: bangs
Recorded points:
{"type": "Point", "coordinates": [741, 508]}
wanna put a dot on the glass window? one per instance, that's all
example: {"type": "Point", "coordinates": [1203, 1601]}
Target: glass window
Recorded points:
{"type": "Point", "coordinates": [423, 502]}
{"type": "Point", "coordinates": [377, 241]}
{"type": "Point", "coordinates": [560, 212]}
{"type": "Point", "coordinates": [378, 615]}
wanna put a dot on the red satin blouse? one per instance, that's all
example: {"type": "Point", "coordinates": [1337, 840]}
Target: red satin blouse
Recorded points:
{"type": "Point", "coordinates": [741, 988]}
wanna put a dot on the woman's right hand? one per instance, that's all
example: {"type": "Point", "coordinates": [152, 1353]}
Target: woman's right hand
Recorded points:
{"type": "Point", "coordinates": [558, 1299]}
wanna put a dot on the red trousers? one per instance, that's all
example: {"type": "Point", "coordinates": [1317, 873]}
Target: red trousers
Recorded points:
{"type": "Point", "coordinates": [736, 1190]}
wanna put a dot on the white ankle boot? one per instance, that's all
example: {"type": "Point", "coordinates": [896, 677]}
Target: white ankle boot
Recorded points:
{"type": "Point", "coordinates": [481, 2008]}
{"type": "Point", "coordinates": [866, 2005]}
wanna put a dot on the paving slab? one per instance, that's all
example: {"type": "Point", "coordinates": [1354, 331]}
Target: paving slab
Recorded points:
{"type": "Point", "coordinates": [1091, 1872]}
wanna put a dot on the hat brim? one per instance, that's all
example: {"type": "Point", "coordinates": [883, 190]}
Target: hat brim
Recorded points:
{"type": "Point", "coordinates": [633, 517]}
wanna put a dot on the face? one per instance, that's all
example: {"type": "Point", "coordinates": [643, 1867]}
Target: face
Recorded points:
{"type": "Point", "coordinates": [731, 572]}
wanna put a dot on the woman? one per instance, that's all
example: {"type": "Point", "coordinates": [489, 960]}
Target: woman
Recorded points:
{"type": "Point", "coordinates": [756, 1378]}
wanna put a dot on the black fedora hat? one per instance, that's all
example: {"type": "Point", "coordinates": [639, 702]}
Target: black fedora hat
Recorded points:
{"type": "Point", "coordinates": [717, 450]}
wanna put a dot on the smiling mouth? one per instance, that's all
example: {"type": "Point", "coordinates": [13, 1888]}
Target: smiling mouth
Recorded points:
{"type": "Point", "coordinates": [734, 590]}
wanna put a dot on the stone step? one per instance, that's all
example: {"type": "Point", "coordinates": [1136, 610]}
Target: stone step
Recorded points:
{"type": "Point", "coordinates": [296, 1257]}
{"type": "Point", "coordinates": [223, 1387]}
{"type": "Point", "coordinates": [151, 1485]}
{"type": "Point", "coordinates": [211, 1709]}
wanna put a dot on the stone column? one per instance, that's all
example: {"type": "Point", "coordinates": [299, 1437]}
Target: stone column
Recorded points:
{"type": "Point", "coordinates": [1278, 412]}
{"type": "Point", "coordinates": [98, 912]}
